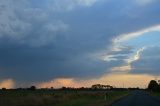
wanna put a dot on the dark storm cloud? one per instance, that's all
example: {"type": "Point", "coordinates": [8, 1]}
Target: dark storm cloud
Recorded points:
{"type": "Point", "coordinates": [42, 40]}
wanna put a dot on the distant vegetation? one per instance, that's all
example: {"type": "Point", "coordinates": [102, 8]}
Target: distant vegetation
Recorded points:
{"type": "Point", "coordinates": [97, 95]}
{"type": "Point", "coordinates": [58, 98]}
{"type": "Point", "coordinates": [100, 86]}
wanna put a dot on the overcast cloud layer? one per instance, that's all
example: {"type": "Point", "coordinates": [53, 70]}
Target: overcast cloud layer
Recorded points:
{"type": "Point", "coordinates": [48, 39]}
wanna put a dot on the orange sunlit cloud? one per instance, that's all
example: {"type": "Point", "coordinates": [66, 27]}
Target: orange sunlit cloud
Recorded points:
{"type": "Point", "coordinates": [8, 83]}
{"type": "Point", "coordinates": [67, 82]}
{"type": "Point", "coordinates": [117, 80]}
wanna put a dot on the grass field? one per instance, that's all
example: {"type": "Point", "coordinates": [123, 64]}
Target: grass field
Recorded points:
{"type": "Point", "coordinates": [155, 93]}
{"type": "Point", "coordinates": [59, 98]}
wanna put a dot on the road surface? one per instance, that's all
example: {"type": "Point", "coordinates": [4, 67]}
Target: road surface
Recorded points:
{"type": "Point", "coordinates": [138, 98]}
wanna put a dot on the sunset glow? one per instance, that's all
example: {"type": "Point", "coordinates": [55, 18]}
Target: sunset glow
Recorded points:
{"type": "Point", "coordinates": [78, 43]}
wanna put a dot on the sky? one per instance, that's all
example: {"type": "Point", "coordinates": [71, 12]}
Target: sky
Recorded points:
{"type": "Point", "coordinates": [55, 43]}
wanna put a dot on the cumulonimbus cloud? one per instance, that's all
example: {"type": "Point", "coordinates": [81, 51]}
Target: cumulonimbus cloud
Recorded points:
{"type": "Point", "coordinates": [44, 41]}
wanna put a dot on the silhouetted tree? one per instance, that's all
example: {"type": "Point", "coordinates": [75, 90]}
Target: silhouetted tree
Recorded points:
{"type": "Point", "coordinates": [32, 88]}
{"type": "Point", "coordinates": [63, 88]}
{"type": "Point", "coordinates": [153, 85]}
{"type": "Point", "coordinates": [4, 89]}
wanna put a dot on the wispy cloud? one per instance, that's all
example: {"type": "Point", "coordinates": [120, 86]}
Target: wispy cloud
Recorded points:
{"type": "Point", "coordinates": [136, 56]}
{"type": "Point", "coordinates": [148, 61]}
{"type": "Point", "coordinates": [124, 69]}
{"type": "Point", "coordinates": [128, 36]}
{"type": "Point", "coordinates": [128, 67]}
{"type": "Point", "coordinates": [67, 5]}
{"type": "Point", "coordinates": [117, 46]}
{"type": "Point", "coordinates": [145, 2]}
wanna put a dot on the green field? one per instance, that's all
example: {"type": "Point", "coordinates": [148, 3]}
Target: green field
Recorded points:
{"type": "Point", "coordinates": [59, 98]}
